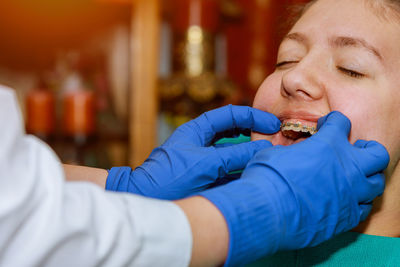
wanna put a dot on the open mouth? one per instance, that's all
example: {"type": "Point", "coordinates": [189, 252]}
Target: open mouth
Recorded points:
{"type": "Point", "coordinates": [296, 130]}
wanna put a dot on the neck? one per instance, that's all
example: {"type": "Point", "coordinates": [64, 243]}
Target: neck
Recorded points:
{"type": "Point", "coordinates": [385, 213]}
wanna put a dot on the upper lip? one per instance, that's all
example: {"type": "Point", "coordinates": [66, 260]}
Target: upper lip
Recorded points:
{"type": "Point", "coordinates": [300, 115]}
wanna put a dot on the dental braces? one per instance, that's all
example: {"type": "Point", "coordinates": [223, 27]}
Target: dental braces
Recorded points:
{"type": "Point", "coordinates": [297, 127]}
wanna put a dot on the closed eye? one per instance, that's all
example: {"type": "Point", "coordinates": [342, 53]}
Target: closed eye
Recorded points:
{"type": "Point", "coordinates": [351, 73]}
{"type": "Point", "coordinates": [283, 63]}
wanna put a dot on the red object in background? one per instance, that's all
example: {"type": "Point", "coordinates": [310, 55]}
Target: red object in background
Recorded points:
{"type": "Point", "coordinates": [120, 2]}
{"type": "Point", "coordinates": [253, 41]}
{"type": "Point", "coordinates": [203, 13]}
{"type": "Point", "coordinates": [292, 2]}
{"type": "Point", "coordinates": [40, 113]}
{"type": "Point", "coordinates": [78, 113]}
{"type": "Point", "coordinates": [252, 44]}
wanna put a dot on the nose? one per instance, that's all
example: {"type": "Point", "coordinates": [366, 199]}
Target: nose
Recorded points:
{"type": "Point", "coordinates": [303, 82]}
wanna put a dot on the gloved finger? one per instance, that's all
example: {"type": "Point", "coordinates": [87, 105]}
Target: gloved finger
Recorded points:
{"type": "Point", "coordinates": [224, 145]}
{"type": "Point", "coordinates": [236, 157]}
{"type": "Point", "coordinates": [369, 188]}
{"type": "Point", "coordinates": [334, 125]}
{"type": "Point", "coordinates": [201, 131]}
{"type": "Point", "coordinates": [373, 157]}
{"type": "Point", "coordinates": [365, 210]}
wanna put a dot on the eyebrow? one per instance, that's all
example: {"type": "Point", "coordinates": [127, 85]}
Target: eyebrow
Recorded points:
{"type": "Point", "coordinates": [339, 41]}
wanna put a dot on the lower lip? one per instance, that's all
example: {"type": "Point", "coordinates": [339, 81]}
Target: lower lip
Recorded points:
{"type": "Point", "coordinates": [279, 139]}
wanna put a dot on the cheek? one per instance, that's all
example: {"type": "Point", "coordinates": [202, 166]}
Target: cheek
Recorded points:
{"type": "Point", "coordinates": [268, 94]}
{"type": "Point", "coordinates": [368, 114]}
{"type": "Point", "coordinates": [266, 99]}
{"type": "Point", "coordinates": [373, 114]}
{"type": "Point", "coordinates": [375, 123]}
{"type": "Point", "coordinates": [357, 107]}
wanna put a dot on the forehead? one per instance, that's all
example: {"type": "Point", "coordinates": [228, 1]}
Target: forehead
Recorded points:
{"type": "Point", "coordinates": [354, 18]}
{"type": "Point", "coordinates": [348, 16]}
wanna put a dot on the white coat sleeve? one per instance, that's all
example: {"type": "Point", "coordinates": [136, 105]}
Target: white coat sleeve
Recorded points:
{"type": "Point", "coordinates": [45, 221]}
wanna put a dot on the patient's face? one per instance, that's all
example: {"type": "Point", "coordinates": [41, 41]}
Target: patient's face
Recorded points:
{"type": "Point", "coordinates": [339, 56]}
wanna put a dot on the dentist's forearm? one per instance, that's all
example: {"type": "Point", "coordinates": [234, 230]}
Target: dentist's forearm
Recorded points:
{"type": "Point", "coordinates": [88, 174]}
{"type": "Point", "coordinates": [209, 230]}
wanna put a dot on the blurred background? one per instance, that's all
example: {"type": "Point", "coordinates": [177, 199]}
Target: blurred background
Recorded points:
{"type": "Point", "coordinates": [105, 81]}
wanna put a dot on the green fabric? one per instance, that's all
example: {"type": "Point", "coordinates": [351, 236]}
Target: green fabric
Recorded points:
{"type": "Point", "coordinates": [235, 140]}
{"type": "Point", "coordinates": [348, 249]}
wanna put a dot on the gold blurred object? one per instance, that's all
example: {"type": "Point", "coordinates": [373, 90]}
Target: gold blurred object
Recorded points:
{"type": "Point", "coordinates": [203, 88]}
{"type": "Point", "coordinates": [196, 51]}
{"type": "Point", "coordinates": [193, 87]}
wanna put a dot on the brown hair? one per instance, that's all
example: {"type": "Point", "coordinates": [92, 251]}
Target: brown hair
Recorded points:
{"type": "Point", "coordinates": [292, 14]}
{"type": "Point", "coordinates": [386, 9]}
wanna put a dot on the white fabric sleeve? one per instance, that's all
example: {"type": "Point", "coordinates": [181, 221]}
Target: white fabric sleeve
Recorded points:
{"type": "Point", "coordinates": [45, 221]}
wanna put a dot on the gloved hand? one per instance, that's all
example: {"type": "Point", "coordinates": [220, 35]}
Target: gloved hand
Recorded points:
{"type": "Point", "coordinates": [186, 163]}
{"type": "Point", "coordinates": [301, 195]}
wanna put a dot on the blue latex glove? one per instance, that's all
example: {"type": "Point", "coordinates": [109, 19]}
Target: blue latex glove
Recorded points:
{"type": "Point", "coordinates": [186, 163]}
{"type": "Point", "coordinates": [301, 195]}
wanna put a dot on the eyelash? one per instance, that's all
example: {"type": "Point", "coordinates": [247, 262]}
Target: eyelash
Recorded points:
{"type": "Point", "coordinates": [350, 73]}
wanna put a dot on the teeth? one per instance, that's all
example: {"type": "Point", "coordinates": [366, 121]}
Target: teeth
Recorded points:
{"type": "Point", "coordinates": [298, 127]}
